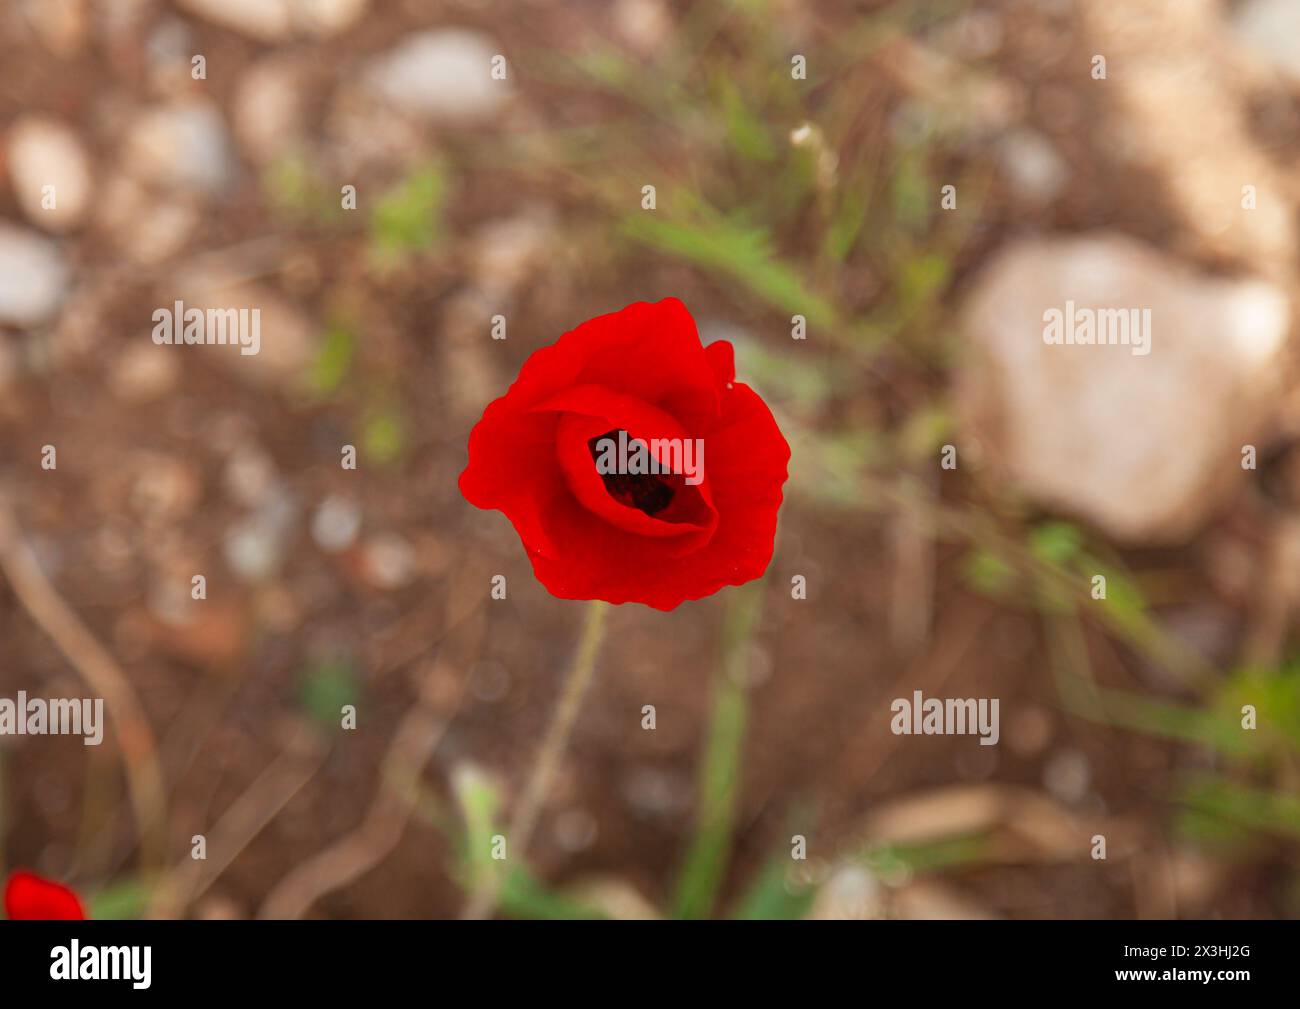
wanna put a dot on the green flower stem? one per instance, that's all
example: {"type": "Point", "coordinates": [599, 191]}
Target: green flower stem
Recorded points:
{"type": "Point", "coordinates": [549, 754]}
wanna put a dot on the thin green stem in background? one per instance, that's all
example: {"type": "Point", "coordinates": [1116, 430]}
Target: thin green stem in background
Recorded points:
{"type": "Point", "coordinates": [707, 858]}
{"type": "Point", "coordinates": [549, 755]}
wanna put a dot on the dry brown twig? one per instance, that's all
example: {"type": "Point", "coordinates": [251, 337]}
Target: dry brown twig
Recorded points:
{"type": "Point", "coordinates": [414, 743]}
{"type": "Point", "coordinates": [101, 674]}
{"type": "Point", "coordinates": [246, 817]}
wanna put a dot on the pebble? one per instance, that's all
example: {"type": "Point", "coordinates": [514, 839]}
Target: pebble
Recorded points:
{"type": "Point", "coordinates": [335, 524]}
{"type": "Point", "coordinates": [266, 20]}
{"type": "Point", "coordinates": [181, 146]}
{"type": "Point", "coordinates": [34, 277]}
{"type": "Point", "coordinates": [1270, 28]}
{"type": "Point", "coordinates": [1143, 446]}
{"type": "Point", "coordinates": [44, 152]}
{"type": "Point", "coordinates": [441, 75]}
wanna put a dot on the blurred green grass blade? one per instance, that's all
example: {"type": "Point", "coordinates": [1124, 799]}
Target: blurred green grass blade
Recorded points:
{"type": "Point", "coordinates": [383, 432]}
{"type": "Point", "coordinates": [736, 252]}
{"type": "Point", "coordinates": [408, 217]}
{"type": "Point", "coordinates": [478, 801]}
{"type": "Point", "coordinates": [524, 896]}
{"type": "Point", "coordinates": [1173, 721]}
{"type": "Point", "coordinates": [119, 902]}
{"type": "Point", "coordinates": [1216, 808]}
{"type": "Point", "coordinates": [747, 132]}
{"type": "Point", "coordinates": [325, 687]}
{"type": "Point", "coordinates": [332, 361]}
{"type": "Point", "coordinates": [772, 897]}
{"type": "Point", "coordinates": [706, 860]}
{"type": "Point", "coordinates": [894, 860]}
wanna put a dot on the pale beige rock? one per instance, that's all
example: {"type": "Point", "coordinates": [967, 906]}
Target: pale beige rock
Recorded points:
{"type": "Point", "coordinates": [268, 110]}
{"type": "Point", "coordinates": [441, 75]}
{"type": "Point", "coordinates": [323, 18]}
{"type": "Point", "coordinates": [1179, 92]}
{"type": "Point", "coordinates": [145, 228]}
{"type": "Point", "coordinates": [1270, 28]}
{"type": "Point", "coordinates": [267, 20]}
{"type": "Point", "coordinates": [284, 332]}
{"type": "Point", "coordinates": [1144, 447]}
{"type": "Point", "coordinates": [60, 24]}
{"type": "Point", "coordinates": [34, 277]}
{"type": "Point", "coordinates": [143, 371]}
{"type": "Point", "coordinates": [45, 153]}
{"type": "Point", "coordinates": [183, 145]}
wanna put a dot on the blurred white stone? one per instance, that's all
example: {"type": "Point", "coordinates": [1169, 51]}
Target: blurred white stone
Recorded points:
{"type": "Point", "coordinates": [1032, 165]}
{"type": "Point", "coordinates": [850, 893]}
{"type": "Point", "coordinates": [249, 476]}
{"type": "Point", "coordinates": [183, 146]}
{"type": "Point", "coordinates": [33, 277]}
{"type": "Point", "coordinates": [444, 74]}
{"type": "Point", "coordinates": [505, 250]}
{"type": "Point", "coordinates": [60, 24]}
{"type": "Point", "coordinates": [1067, 775]}
{"type": "Point", "coordinates": [335, 523]}
{"type": "Point", "coordinates": [268, 20]}
{"type": "Point", "coordinates": [935, 900]}
{"type": "Point", "coordinates": [268, 109]}
{"type": "Point", "coordinates": [1272, 29]}
{"type": "Point", "coordinates": [143, 371]}
{"type": "Point", "coordinates": [644, 24]}
{"type": "Point", "coordinates": [1179, 114]}
{"type": "Point", "coordinates": [169, 48]}
{"type": "Point", "coordinates": [284, 332]}
{"type": "Point", "coordinates": [143, 227]}
{"type": "Point", "coordinates": [1145, 447]}
{"type": "Point", "coordinates": [327, 17]}
{"type": "Point", "coordinates": [389, 561]}
{"type": "Point", "coordinates": [44, 152]}
{"type": "Point", "coordinates": [255, 547]}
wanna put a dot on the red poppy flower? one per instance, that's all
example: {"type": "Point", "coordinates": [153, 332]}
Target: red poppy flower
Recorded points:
{"type": "Point", "coordinates": [29, 896]}
{"type": "Point", "coordinates": [634, 383]}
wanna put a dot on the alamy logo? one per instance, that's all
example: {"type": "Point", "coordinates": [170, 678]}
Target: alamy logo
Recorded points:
{"type": "Point", "coordinates": [67, 716]}
{"type": "Point", "coordinates": [951, 716]}
{"type": "Point", "coordinates": [102, 963]}
{"type": "Point", "coordinates": [1123, 327]}
{"type": "Point", "coordinates": [179, 325]}
{"type": "Point", "coordinates": [626, 456]}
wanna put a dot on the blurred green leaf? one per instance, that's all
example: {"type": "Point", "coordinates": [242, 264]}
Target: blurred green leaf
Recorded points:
{"type": "Point", "coordinates": [1057, 543]}
{"type": "Point", "coordinates": [706, 859]}
{"type": "Point", "coordinates": [524, 896]}
{"type": "Point", "coordinates": [325, 687]}
{"type": "Point", "coordinates": [747, 133]}
{"type": "Point", "coordinates": [121, 901]}
{"type": "Point", "coordinates": [987, 573]}
{"type": "Point", "coordinates": [293, 190]}
{"type": "Point", "coordinates": [912, 191]}
{"type": "Point", "coordinates": [741, 253]}
{"type": "Point", "coordinates": [774, 897]}
{"type": "Point", "coordinates": [383, 434]}
{"type": "Point", "coordinates": [896, 863]}
{"type": "Point", "coordinates": [333, 360]}
{"type": "Point", "coordinates": [919, 282]}
{"type": "Point", "coordinates": [408, 217]}
{"type": "Point", "coordinates": [1224, 811]}
{"type": "Point", "coordinates": [479, 803]}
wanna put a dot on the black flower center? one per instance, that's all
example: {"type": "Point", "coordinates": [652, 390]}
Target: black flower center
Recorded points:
{"type": "Point", "coordinates": [647, 492]}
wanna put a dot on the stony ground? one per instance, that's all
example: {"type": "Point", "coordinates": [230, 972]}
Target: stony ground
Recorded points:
{"type": "Point", "coordinates": [202, 151]}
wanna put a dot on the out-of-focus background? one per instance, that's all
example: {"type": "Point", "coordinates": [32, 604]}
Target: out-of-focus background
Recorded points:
{"type": "Point", "coordinates": [1140, 154]}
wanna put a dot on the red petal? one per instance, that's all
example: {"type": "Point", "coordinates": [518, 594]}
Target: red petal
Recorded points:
{"type": "Point", "coordinates": [642, 370]}
{"type": "Point", "coordinates": [747, 461]}
{"type": "Point", "coordinates": [28, 896]}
